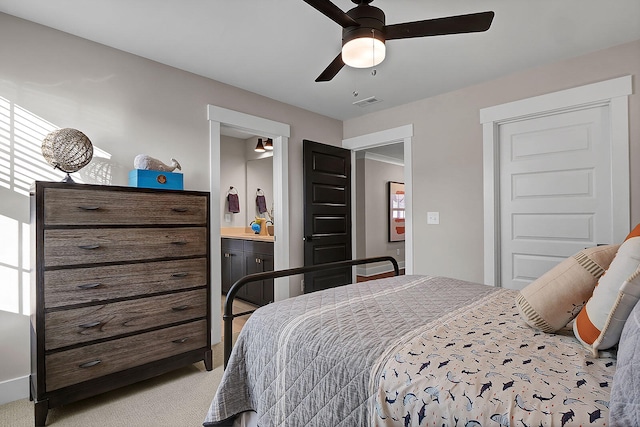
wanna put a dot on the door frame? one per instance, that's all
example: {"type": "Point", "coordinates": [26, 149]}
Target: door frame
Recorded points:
{"type": "Point", "coordinates": [402, 134]}
{"type": "Point", "coordinates": [612, 93]}
{"type": "Point", "coordinates": [280, 133]}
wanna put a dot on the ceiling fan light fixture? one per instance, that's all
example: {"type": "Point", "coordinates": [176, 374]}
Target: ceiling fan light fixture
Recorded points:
{"type": "Point", "coordinates": [259, 147]}
{"type": "Point", "coordinates": [363, 52]}
{"type": "Point", "coordinates": [364, 32]}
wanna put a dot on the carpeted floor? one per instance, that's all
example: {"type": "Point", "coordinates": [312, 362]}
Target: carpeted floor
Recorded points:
{"type": "Point", "coordinates": [179, 398]}
{"type": "Point", "coordinates": [176, 399]}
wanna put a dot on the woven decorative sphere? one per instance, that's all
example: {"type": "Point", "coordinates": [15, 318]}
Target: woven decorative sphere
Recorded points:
{"type": "Point", "coordinates": [67, 149]}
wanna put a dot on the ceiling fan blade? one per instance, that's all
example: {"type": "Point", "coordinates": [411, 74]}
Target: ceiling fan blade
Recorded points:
{"type": "Point", "coordinates": [333, 12]}
{"type": "Point", "coordinates": [472, 23]}
{"type": "Point", "coordinates": [331, 71]}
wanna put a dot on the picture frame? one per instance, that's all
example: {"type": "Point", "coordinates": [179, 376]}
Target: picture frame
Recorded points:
{"type": "Point", "coordinates": [395, 196]}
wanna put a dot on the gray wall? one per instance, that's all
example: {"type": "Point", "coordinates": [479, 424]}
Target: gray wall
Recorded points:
{"type": "Point", "coordinates": [259, 175]}
{"type": "Point", "coordinates": [126, 105]}
{"type": "Point", "coordinates": [233, 173]}
{"type": "Point", "coordinates": [447, 153]}
{"type": "Point", "coordinates": [245, 170]}
{"type": "Point", "coordinates": [372, 213]}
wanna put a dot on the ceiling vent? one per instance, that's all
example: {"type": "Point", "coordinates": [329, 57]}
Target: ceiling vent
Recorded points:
{"type": "Point", "coordinates": [367, 101]}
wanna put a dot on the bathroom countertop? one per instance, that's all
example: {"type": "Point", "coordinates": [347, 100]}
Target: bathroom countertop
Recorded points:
{"type": "Point", "coordinates": [244, 233]}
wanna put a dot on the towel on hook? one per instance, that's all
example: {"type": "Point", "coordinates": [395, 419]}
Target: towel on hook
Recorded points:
{"type": "Point", "coordinates": [261, 202]}
{"type": "Point", "coordinates": [234, 203]}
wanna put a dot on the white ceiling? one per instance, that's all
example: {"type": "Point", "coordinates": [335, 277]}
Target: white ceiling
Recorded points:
{"type": "Point", "coordinates": [277, 48]}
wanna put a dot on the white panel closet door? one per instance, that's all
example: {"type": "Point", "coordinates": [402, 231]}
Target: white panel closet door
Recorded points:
{"type": "Point", "coordinates": [555, 190]}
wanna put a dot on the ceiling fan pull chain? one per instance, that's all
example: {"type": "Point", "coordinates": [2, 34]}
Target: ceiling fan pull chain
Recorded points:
{"type": "Point", "coordinates": [373, 47]}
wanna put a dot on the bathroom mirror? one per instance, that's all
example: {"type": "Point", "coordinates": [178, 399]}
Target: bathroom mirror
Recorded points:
{"type": "Point", "coordinates": [259, 176]}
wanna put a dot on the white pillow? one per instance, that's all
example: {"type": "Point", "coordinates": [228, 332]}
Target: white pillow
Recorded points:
{"type": "Point", "coordinates": [600, 322]}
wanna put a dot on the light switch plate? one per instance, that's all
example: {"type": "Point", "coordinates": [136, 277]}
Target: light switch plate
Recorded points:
{"type": "Point", "coordinates": [433, 217]}
{"type": "Point", "coordinates": [227, 217]}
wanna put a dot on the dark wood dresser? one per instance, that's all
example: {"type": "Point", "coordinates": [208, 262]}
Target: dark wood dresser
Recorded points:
{"type": "Point", "coordinates": [119, 290]}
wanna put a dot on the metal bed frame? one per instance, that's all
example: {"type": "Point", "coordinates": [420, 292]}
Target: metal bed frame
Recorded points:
{"type": "Point", "coordinates": [231, 294]}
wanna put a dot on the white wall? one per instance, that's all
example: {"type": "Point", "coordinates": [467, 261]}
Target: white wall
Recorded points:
{"type": "Point", "coordinates": [126, 105]}
{"type": "Point", "coordinates": [447, 153]}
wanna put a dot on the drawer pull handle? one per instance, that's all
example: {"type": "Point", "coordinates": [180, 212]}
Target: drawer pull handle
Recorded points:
{"type": "Point", "coordinates": [179, 274]}
{"type": "Point", "coordinates": [180, 308]}
{"type": "Point", "coordinates": [90, 364]}
{"type": "Point", "coordinates": [179, 243]}
{"type": "Point", "coordinates": [180, 210]}
{"type": "Point", "coordinates": [89, 208]}
{"type": "Point", "coordinates": [181, 340]}
{"type": "Point", "coordinates": [89, 247]}
{"type": "Point", "coordinates": [89, 325]}
{"type": "Point", "coordinates": [89, 286]}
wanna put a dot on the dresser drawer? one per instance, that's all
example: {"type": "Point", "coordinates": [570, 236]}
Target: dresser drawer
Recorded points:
{"type": "Point", "coordinates": [92, 284]}
{"type": "Point", "coordinates": [87, 246]}
{"type": "Point", "coordinates": [81, 364]}
{"type": "Point", "coordinates": [69, 327]}
{"type": "Point", "coordinates": [89, 207]}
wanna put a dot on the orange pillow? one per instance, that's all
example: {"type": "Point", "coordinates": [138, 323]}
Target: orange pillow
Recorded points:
{"type": "Point", "coordinates": [634, 233]}
{"type": "Point", "coordinates": [600, 322]}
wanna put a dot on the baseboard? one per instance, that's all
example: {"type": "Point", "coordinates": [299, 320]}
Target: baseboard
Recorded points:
{"type": "Point", "coordinates": [15, 389]}
{"type": "Point", "coordinates": [366, 271]}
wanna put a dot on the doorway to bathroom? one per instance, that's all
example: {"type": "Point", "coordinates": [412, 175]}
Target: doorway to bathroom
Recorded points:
{"type": "Point", "coordinates": [218, 118]}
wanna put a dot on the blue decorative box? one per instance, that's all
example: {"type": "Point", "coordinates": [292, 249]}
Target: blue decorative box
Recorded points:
{"type": "Point", "coordinates": [156, 179]}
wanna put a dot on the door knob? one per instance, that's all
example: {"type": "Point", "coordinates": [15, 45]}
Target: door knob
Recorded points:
{"type": "Point", "coordinates": [307, 238]}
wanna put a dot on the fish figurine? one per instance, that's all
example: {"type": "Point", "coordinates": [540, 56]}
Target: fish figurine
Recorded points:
{"type": "Point", "coordinates": [146, 162]}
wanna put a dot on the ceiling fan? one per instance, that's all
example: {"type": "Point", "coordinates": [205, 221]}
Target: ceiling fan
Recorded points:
{"type": "Point", "coordinates": [364, 32]}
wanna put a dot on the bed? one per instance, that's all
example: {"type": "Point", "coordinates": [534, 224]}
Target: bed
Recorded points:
{"type": "Point", "coordinates": [410, 350]}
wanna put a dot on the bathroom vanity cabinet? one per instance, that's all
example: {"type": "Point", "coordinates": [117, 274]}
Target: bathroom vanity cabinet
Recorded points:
{"type": "Point", "coordinates": [241, 257]}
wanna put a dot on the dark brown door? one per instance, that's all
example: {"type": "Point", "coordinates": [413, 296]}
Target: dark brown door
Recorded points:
{"type": "Point", "coordinates": [327, 213]}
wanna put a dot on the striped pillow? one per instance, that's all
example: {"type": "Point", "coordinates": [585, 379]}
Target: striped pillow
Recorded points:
{"type": "Point", "coordinates": [600, 322]}
{"type": "Point", "coordinates": [556, 297]}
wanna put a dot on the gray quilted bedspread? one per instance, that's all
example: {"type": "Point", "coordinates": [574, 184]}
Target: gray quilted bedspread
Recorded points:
{"type": "Point", "coordinates": [307, 361]}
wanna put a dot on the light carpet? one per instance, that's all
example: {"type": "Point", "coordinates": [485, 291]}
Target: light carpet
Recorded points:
{"type": "Point", "coordinates": [178, 398]}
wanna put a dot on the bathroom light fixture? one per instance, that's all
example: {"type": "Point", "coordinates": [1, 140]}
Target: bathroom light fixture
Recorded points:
{"type": "Point", "coordinates": [363, 48]}
{"type": "Point", "coordinates": [268, 144]}
{"type": "Point", "coordinates": [259, 148]}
